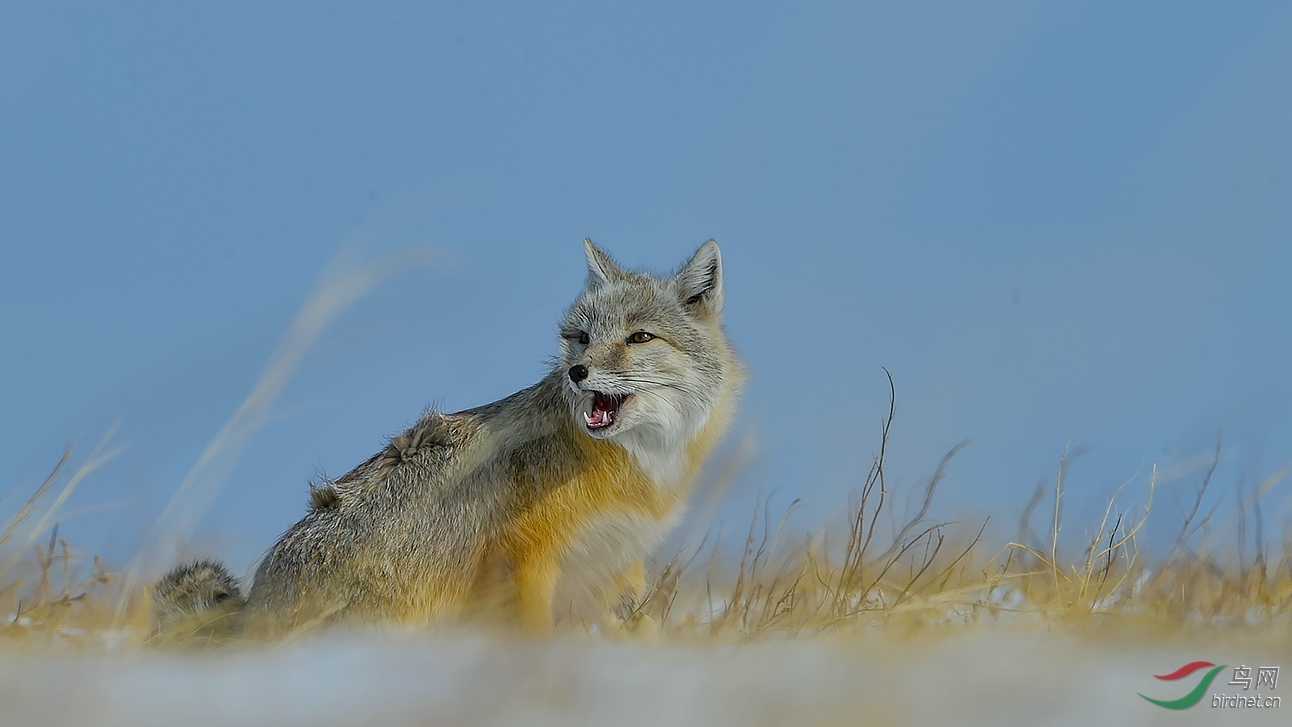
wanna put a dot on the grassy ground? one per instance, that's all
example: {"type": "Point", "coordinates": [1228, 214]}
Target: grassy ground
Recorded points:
{"type": "Point", "coordinates": [875, 622]}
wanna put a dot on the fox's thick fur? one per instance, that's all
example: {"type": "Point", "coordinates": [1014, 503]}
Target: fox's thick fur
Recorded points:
{"type": "Point", "coordinates": [575, 478]}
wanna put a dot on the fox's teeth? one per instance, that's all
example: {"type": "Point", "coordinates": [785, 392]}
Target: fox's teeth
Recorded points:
{"type": "Point", "coordinates": [587, 418]}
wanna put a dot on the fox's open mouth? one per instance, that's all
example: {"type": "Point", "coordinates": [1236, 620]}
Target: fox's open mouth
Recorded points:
{"type": "Point", "coordinates": [604, 409]}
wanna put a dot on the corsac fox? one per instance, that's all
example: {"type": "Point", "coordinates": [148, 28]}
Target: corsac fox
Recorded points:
{"type": "Point", "coordinates": [573, 479]}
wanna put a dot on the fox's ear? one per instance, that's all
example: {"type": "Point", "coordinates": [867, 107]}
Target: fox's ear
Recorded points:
{"type": "Point", "coordinates": [699, 282]}
{"type": "Point", "coordinates": [601, 269]}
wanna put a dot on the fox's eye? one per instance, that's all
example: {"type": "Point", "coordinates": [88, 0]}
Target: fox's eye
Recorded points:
{"type": "Point", "coordinates": [641, 337]}
{"type": "Point", "coordinates": [583, 338]}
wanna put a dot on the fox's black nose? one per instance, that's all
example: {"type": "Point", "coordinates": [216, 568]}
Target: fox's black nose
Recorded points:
{"type": "Point", "coordinates": [578, 373]}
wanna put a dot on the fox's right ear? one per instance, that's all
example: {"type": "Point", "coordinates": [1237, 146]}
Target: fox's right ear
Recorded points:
{"type": "Point", "coordinates": [601, 269]}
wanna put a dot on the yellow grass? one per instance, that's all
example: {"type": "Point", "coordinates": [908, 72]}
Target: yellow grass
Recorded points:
{"type": "Point", "coordinates": [918, 576]}
{"type": "Point", "coordinates": [942, 574]}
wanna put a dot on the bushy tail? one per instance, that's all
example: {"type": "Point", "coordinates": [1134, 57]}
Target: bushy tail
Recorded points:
{"type": "Point", "coordinates": [196, 603]}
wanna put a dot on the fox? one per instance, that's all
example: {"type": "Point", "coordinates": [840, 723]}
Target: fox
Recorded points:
{"type": "Point", "coordinates": [574, 480]}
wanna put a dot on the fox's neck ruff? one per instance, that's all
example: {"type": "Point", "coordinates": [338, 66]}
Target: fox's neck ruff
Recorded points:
{"type": "Point", "coordinates": [662, 452]}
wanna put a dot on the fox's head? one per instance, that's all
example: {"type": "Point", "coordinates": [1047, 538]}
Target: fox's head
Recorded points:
{"type": "Point", "coordinates": [644, 358]}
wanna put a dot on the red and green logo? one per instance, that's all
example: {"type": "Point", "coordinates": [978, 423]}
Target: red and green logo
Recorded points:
{"type": "Point", "coordinates": [1194, 696]}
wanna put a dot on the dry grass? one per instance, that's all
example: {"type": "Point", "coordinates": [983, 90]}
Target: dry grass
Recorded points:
{"type": "Point", "coordinates": [903, 577]}
{"type": "Point", "coordinates": [51, 595]}
{"type": "Point", "coordinates": [923, 573]}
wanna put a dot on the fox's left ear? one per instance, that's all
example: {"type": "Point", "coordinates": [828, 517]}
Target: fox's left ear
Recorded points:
{"type": "Point", "coordinates": [699, 282]}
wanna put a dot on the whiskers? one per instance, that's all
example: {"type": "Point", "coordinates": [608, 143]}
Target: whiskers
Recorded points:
{"type": "Point", "coordinates": [648, 382]}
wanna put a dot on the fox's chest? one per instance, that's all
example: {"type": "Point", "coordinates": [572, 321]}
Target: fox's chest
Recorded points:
{"type": "Point", "coordinates": [602, 547]}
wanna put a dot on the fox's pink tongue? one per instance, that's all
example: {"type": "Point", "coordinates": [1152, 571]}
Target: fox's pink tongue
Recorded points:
{"type": "Point", "coordinates": [603, 411]}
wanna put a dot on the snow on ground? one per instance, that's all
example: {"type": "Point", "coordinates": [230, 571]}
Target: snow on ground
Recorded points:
{"type": "Point", "coordinates": [460, 679]}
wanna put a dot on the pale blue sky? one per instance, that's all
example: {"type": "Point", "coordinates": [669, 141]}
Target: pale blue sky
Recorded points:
{"type": "Point", "coordinates": [1053, 222]}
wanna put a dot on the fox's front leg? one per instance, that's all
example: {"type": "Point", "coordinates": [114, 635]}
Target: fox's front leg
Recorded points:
{"type": "Point", "coordinates": [535, 585]}
{"type": "Point", "coordinates": [624, 599]}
